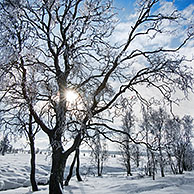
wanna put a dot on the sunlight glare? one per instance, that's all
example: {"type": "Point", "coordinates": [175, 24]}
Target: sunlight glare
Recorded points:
{"type": "Point", "coordinates": [71, 96]}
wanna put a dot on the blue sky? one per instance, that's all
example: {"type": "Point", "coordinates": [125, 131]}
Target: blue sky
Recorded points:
{"type": "Point", "coordinates": [181, 4]}
{"type": "Point", "coordinates": [128, 4]}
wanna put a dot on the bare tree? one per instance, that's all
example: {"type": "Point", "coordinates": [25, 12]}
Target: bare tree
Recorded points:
{"type": "Point", "coordinates": [145, 127]}
{"type": "Point", "coordinates": [30, 129]}
{"type": "Point", "coordinates": [148, 135]}
{"type": "Point", "coordinates": [20, 123]}
{"type": "Point", "coordinates": [126, 146]}
{"type": "Point", "coordinates": [16, 115]}
{"type": "Point", "coordinates": [99, 152]}
{"type": "Point", "coordinates": [70, 44]}
{"type": "Point", "coordinates": [179, 146]}
{"type": "Point", "coordinates": [157, 121]}
{"type": "Point", "coordinates": [4, 144]}
{"type": "Point", "coordinates": [188, 157]}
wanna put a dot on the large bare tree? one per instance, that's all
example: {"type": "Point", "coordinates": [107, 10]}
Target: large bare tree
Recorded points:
{"type": "Point", "coordinates": [71, 46]}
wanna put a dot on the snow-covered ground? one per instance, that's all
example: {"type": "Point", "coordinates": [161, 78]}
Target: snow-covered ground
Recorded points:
{"type": "Point", "coordinates": [14, 177]}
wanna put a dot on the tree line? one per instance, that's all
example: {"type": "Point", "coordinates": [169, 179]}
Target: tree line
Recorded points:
{"type": "Point", "coordinates": [169, 140]}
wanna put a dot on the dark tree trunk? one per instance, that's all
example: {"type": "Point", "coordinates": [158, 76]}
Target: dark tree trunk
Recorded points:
{"type": "Point", "coordinates": [32, 174]}
{"type": "Point", "coordinates": [128, 155]}
{"type": "Point", "coordinates": [161, 156]}
{"type": "Point", "coordinates": [161, 163]}
{"type": "Point", "coordinates": [57, 172]}
{"type": "Point", "coordinates": [162, 170]}
{"type": "Point", "coordinates": [99, 171]}
{"type": "Point", "coordinates": [149, 168]}
{"type": "Point", "coordinates": [185, 167]}
{"type": "Point", "coordinates": [153, 166]}
{"type": "Point", "coordinates": [58, 164]}
{"type": "Point", "coordinates": [59, 158]}
{"type": "Point", "coordinates": [102, 166]}
{"type": "Point", "coordinates": [149, 163]}
{"type": "Point", "coordinates": [128, 167]}
{"type": "Point", "coordinates": [180, 168]}
{"type": "Point", "coordinates": [70, 171]}
{"type": "Point", "coordinates": [3, 151]}
{"type": "Point", "coordinates": [76, 158]}
{"type": "Point", "coordinates": [78, 165]}
{"type": "Point", "coordinates": [33, 156]}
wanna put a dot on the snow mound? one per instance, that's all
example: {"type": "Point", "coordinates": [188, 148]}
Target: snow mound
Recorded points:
{"type": "Point", "coordinates": [15, 171]}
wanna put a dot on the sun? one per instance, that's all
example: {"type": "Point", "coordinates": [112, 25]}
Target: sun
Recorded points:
{"type": "Point", "coordinates": [71, 96]}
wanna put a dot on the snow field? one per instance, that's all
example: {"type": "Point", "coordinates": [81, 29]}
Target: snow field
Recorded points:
{"type": "Point", "coordinates": [15, 169]}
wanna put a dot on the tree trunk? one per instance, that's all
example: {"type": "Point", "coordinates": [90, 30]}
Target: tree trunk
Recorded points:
{"type": "Point", "coordinates": [153, 166]}
{"type": "Point", "coordinates": [128, 166]}
{"type": "Point", "coordinates": [149, 171]}
{"type": "Point", "coordinates": [162, 169]}
{"type": "Point", "coordinates": [149, 164]}
{"type": "Point", "coordinates": [160, 153]}
{"type": "Point", "coordinates": [128, 157]}
{"type": "Point", "coordinates": [76, 158]}
{"type": "Point", "coordinates": [172, 166]}
{"type": "Point", "coordinates": [99, 171]}
{"type": "Point", "coordinates": [161, 162]}
{"type": "Point", "coordinates": [78, 165]}
{"type": "Point", "coordinates": [180, 168]}
{"type": "Point", "coordinates": [137, 157]}
{"type": "Point", "coordinates": [57, 172]}
{"type": "Point", "coordinates": [3, 151]}
{"type": "Point", "coordinates": [101, 167]}
{"type": "Point", "coordinates": [32, 173]}
{"type": "Point", "coordinates": [58, 164]}
{"type": "Point", "coordinates": [59, 158]}
{"type": "Point", "coordinates": [70, 171]}
{"type": "Point", "coordinates": [33, 156]}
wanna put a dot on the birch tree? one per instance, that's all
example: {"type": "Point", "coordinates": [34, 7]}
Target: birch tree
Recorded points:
{"type": "Point", "coordinates": [179, 146]}
{"type": "Point", "coordinates": [126, 146]}
{"type": "Point", "coordinates": [157, 128]}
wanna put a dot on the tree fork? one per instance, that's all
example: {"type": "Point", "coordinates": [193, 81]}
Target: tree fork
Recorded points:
{"type": "Point", "coordinates": [59, 158]}
{"type": "Point", "coordinates": [70, 171]}
{"type": "Point", "coordinates": [76, 158]}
